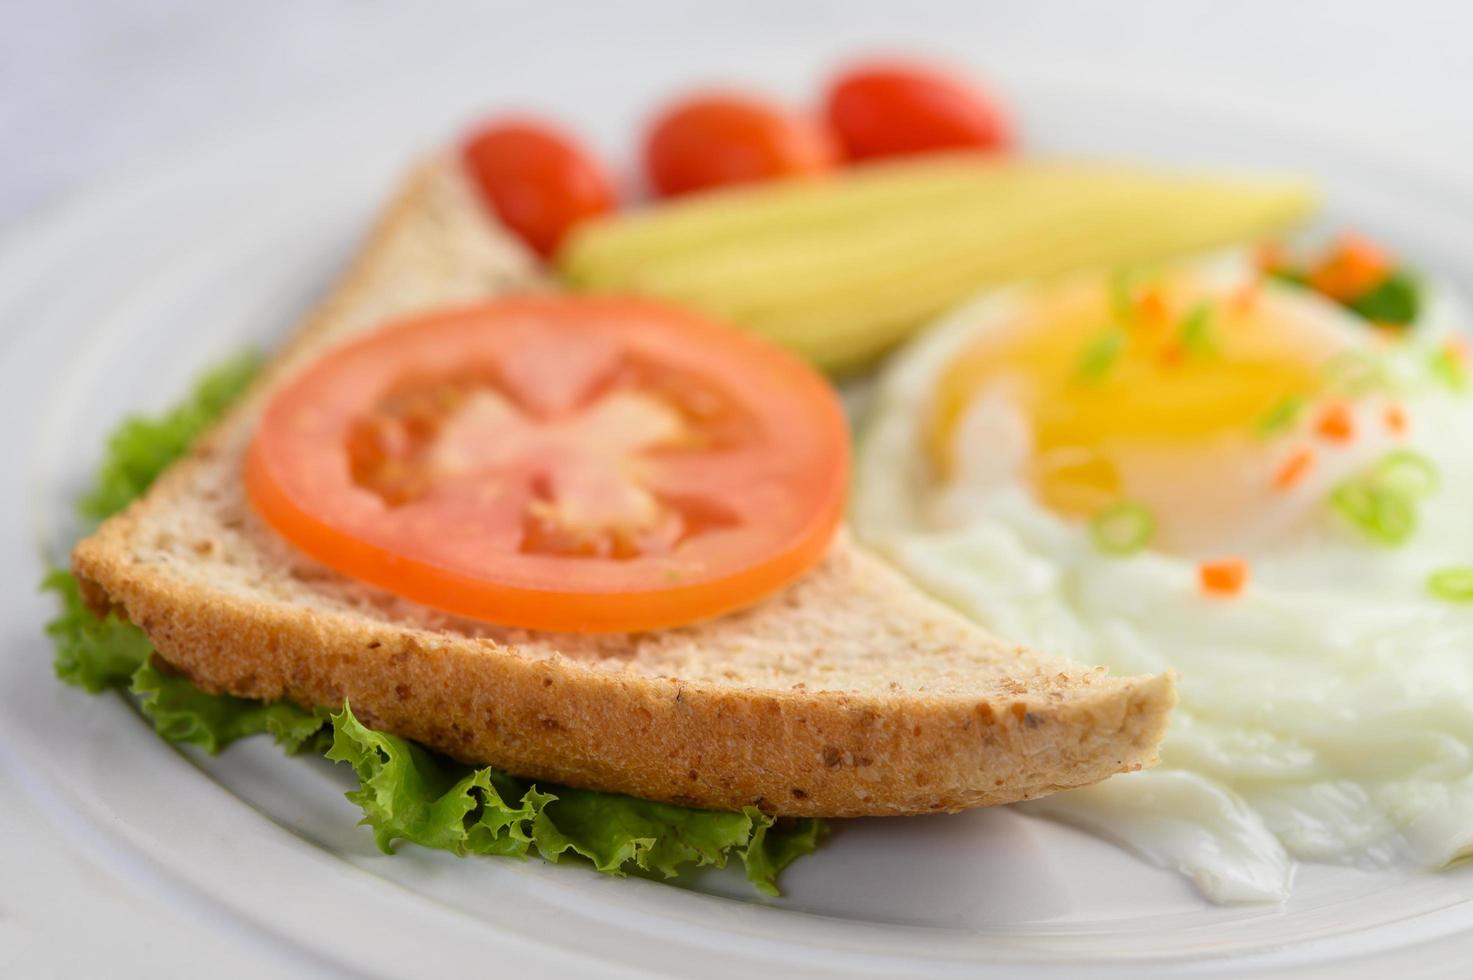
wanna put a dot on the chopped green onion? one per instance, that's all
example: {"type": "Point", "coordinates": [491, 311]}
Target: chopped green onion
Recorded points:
{"type": "Point", "coordinates": [1289, 274]}
{"type": "Point", "coordinates": [1195, 333]}
{"type": "Point", "coordinates": [1383, 502]}
{"type": "Point", "coordinates": [1454, 584]}
{"type": "Point", "coordinates": [1447, 368]}
{"type": "Point", "coordinates": [1384, 515]}
{"type": "Point", "coordinates": [1122, 301]}
{"type": "Point", "coordinates": [1396, 301]}
{"type": "Point", "coordinates": [1406, 472]}
{"type": "Point", "coordinates": [1101, 354]}
{"type": "Point", "coordinates": [1123, 528]}
{"type": "Point", "coordinates": [1353, 373]}
{"type": "Point", "coordinates": [1282, 416]}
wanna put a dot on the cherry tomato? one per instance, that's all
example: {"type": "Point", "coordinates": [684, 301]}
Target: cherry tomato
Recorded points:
{"type": "Point", "coordinates": [894, 109]}
{"type": "Point", "coordinates": [538, 181]}
{"type": "Point", "coordinates": [558, 463]}
{"type": "Point", "coordinates": [716, 140]}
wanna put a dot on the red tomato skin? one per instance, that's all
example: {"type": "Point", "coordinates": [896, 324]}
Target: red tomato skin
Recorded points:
{"type": "Point", "coordinates": [783, 480]}
{"type": "Point", "coordinates": [537, 179]}
{"type": "Point", "coordinates": [893, 109]}
{"type": "Point", "coordinates": [721, 139]}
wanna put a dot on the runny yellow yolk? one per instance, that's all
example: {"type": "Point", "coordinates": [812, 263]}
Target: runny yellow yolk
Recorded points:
{"type": "Point", "coordinates": [1099, 369]}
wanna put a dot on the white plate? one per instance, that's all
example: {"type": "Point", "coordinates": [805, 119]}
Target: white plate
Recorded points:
{"type": "Point", "coordinates": [113, 304]}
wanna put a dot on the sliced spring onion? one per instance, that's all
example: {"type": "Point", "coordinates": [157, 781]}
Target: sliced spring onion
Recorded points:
{"type": "Point", "coordinates": [1282, 416]}
{"type": "Point", "coordinates": [1453, 584]}
{"type": "Point", "coordinates": [1289, 274]}
{"type": "Point", "coordinates": [1395, 301]}
{"type": "Point", "coordinates": [1101, 353]}
{"type": "Point", "coordinates": [1354, 373]}
{"type": "Point", "coordinates": [1406, 471]}
{"type": "Point", "coordinates": [1123, 528]}
{"type": "Point", "coordinates": [1448, 369]}
{"type": "Point", "coordinates": [1385, 515]}
{"type": "Point", "coordinates": [1383, 501]}
{"type": "Point", "coordinates": [1122, 302]}
{"type": "Point", "coordinates": [1195, 334]}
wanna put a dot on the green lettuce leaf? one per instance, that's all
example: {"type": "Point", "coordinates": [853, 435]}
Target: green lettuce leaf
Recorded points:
{"type": "Point", "coordinates": [774, 847]}
{"type": "Point", "coordinates": [410, 793]}
{"type": "Point", "coordinates": [91, 653]}
{"type": "Point", "coordinates": [406, 792]}
{"type": "Point", "coordinates": [98, 654]}
{"type": "Point", "coordinates": [182, 713]}
{"type": "Point", "coordinates": [140, 448]}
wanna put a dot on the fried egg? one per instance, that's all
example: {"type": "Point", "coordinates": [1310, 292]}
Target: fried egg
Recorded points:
{"type": "Point", "coordinates": [1326, 708]}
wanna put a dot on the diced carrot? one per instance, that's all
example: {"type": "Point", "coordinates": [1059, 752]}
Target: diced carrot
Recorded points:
{"type": "Point", "coordinates": [1294, 469]}
{"type": "Point", "coordinates": [1271, 256]}
{"type": "Point", "coordinates": [1388, 334]}
{"type": "Point", "coordinates": [1335, 423]}
{"type": "Point", "coordinates": [1396, 419]}
{"type": "Point", "coordinates": [1151, 307]}
{"type": "Point", "coordinates": [1353, 268]}
{"type": "Point", "coordinates": [1245, 297]}
{"type": "Point", "coordinates": [1225, 577]}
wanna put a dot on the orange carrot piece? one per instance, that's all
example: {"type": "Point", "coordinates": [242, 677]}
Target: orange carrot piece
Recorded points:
{"type": "Point", "coordinates": [1396, 419]}
{"type": "Point", "coordinates": [1270, 256]}
{"type": "Point", "coordinates": [1245, 298]}
{"type": "Point", "coordinates": [1335, 423]}
{"type": "Point", "coordinates": [1225, 577]}
{"type": "Point", "coordinates": [1352, 269]}
{"type": "Point", "coordinates": [1294, 469]}
{"type": "Point", "coordinates": [1151, 307]}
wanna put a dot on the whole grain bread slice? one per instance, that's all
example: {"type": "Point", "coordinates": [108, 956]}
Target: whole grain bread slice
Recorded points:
{"type": "Point", "coordinates": [849, 693]}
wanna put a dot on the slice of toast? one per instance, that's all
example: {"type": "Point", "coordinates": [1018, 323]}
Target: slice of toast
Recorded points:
{"type": "Point", "coordinates": [849, 693]}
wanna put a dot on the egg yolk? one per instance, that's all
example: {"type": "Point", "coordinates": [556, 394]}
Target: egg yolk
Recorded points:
{"type": "Point", "coordinates": [1099, 368]}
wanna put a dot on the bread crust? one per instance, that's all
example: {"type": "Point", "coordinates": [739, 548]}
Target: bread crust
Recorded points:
{"type": "Point", "coordinates": [848, 694]}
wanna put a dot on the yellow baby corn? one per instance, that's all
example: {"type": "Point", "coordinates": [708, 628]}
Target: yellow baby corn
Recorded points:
{"type": "Point", "coordinates": [842, 268]}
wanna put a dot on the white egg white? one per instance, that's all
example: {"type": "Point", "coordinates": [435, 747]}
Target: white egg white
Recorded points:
{"type": "Point", "coordinates": [1326, 713]}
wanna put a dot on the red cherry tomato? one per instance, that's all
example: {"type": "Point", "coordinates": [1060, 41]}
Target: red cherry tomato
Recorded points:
{"type": "Point", "coordinates": [715, 140]}
{"type": "Point", "coordinates": [893, 109]}
{"type": "Point", "coordinates": [538, 181]}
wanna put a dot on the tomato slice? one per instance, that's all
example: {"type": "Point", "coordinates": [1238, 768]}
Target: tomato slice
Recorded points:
{"type": "Point", "coordinates": [558, 463]}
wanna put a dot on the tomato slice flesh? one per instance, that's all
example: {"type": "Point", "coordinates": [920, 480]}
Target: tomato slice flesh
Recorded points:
{"type": "Point", "coordinates": [558, 463]}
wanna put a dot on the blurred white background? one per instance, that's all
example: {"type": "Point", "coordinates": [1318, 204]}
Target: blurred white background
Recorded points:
{"type": "Point", "coordinates": [89, 87]}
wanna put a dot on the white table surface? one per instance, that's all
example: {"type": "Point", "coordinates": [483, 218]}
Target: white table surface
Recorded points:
{"type": "Point", "coordinates": [90, 86]}
{"type": "Point", "coordinates": [92, 89]}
